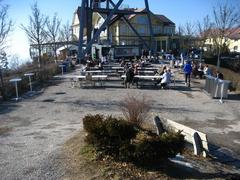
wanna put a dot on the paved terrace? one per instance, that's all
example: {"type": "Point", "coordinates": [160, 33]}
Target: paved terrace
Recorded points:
{"type": "Point", "coordinates": [41, 124]}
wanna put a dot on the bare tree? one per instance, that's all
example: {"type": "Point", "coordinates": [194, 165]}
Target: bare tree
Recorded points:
{"type": "Point", "coordinates": [5, 28]}
{"type": "Point", "coordinates": [53, 27]}
{"type": "Point", "coordinates": [66, 34]}
{"type": "Point", "coordinates": [189, 29]}
{"type": "Point", "coordinates": [203, 29]}
{"type": "Point", "coordinates": [179, 32]}
{"type": "Point", "coordinates": [14, 63]}
{"type": "Point", "coordinates": [36, 30]}
{"type": "Point", "coordinates": [187, 32]}
{"type": "Point", "coordinates": [226, 17]}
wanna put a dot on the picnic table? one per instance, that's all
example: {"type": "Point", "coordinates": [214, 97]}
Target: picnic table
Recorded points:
{"type": "Point", "coordinates": [104, 71]}
{"type": "Point", "coordinates": [81, 79]}
{"type": "Point", "coordinates": [147, 68]}
{"type": "Point", "coordinates": [142, 80]}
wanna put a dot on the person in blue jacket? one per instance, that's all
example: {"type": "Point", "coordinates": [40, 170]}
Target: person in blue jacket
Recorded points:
{"type": "Point", "coordinates": [187, 71]}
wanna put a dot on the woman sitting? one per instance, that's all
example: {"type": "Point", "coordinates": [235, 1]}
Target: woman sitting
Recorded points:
{"type": "Point", "coordinates": [166, 78]}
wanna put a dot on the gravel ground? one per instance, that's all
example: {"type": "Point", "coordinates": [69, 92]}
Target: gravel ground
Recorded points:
{"type": "Point", "coordinates": [37, 127]}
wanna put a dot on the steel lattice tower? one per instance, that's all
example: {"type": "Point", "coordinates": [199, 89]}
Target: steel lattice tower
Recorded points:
{"type": "Point", "coordinates": [85, 14]}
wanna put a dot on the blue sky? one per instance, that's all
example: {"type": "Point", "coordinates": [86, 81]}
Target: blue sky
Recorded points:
{"type": "Point", "coordinates": [179, 11]}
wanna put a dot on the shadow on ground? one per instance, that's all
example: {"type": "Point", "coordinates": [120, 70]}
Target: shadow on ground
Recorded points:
{"type": "Point", "coordinates": [7, 107]}
{"type": "Point", "coordinates": [223, 155]}
{"type": "Point", "coordinates": [178, 171]}
{"type": "Point", "coordinates": [234, 97]}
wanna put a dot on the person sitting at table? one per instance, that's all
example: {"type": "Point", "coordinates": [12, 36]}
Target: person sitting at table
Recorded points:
{"type": "Point", "coordinates": [100, 66]}
{"type": "Point", "coordinates": [122, 63]}
{"type": "Point", "coordinates": [136, 69]}
{"type": "Point", "coordinates": [194, 69]}
{"type": "Point", "coordinates": [129, 77]}
{"type": "Point", "coordinates": [207, 71]}
{"type": "Point", "coordinates": [166, 78]}
{"type": "Point", "coordinates": [160, 72]}
{"type": "Point", "coordinates": [200, 70]}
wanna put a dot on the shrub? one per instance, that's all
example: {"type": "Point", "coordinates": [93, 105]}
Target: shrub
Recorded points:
{"type": "Point", "coordinates": [123, 141]}
{"type": "Point", "coordinates": [108, 134]}
{"type": "Point", "coordinates": [93, 123]}
{"type": "Point", "coordinates": [174, 142]}
{"type": "Point", "coordinates": [153, 149]}
{"type": "Point", "coordinates": [126, 152]}
{"type": "Point", "coordinates": [120, 128]}
{"type": "Point", "coordinates": [135, 109]}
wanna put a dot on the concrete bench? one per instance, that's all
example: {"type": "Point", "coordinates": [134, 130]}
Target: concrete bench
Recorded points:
{"type": "Point", "coordinates": [197, 138]}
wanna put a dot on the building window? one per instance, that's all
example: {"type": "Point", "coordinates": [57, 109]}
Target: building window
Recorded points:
{"type": "Point", "coordinates": [157, 29]}
{"type": "Point", "coordinates": [164, 45]}
{"type": "Point", "coordinates": [169, 30]}
{"type": "Point", "coordinates": [142, 20]}
{"type": "Point", "coordinates": [159, 46]}
{"type": "Point", "coordinates": [142, 30]}
{"type": "Point", "coordinates": [123, 29]}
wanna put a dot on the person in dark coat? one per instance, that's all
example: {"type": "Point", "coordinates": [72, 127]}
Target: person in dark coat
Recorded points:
{"type": "Point", "coordinates": [219, 75]}
{"type": "Point", "coordinates": [129, 77]}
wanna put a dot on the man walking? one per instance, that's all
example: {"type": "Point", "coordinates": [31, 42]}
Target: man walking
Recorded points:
{"type": "Point", "coordinates": [187, 71]}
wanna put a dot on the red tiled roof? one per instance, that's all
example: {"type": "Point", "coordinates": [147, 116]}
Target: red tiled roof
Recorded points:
{"type": "Point", "coordinates": [234, 33]}
{"type": "Point", "coordinates": [164, 19]}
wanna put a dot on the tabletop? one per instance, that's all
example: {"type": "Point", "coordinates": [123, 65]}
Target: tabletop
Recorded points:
{"type": "Point", "coordinates": [29, 74]}
{"type": "Point", "coordinates": [61, 65]}
{"type": "Point", "coordinates": [80, 76]}
{"type": "Point", "coordinates": [15, 79]}
{"type": "Point", "coordinates": [145, 77]}
{"type": "Point", "coordinates": [148, 77]}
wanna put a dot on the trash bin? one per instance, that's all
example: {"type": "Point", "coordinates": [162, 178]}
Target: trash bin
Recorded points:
{"type": "Point", "coordinates": [209, 84]}
{"type": "Point", "coordinates": [216, 88]}
{"type": "Point", "coordinates": [221, 90]}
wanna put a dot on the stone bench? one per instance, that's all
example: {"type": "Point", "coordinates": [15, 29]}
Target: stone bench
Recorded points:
{"type": "Point", "coordinates": [197, 138]}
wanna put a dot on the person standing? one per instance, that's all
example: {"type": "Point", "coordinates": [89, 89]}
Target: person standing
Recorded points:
{"type": "Point", "coordinates": [129, 77]}
{"type": "Point", "coordinates": [187, 71]}
{"type": "Point", "coordinates": [219, 75]}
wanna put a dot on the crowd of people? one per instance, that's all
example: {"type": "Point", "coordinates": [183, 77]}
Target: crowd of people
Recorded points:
{"type": "Point", "coordinates": [195, 69]}
{"type": "Point", "coordinates": [131, 68]}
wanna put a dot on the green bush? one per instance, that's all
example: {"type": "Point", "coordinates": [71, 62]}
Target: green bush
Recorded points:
{"type": "Point", "coordinates": [174, 142]}
{"type": "Point", "coordinates": [120, 128]}
{"type": "Point", "coordinates": [154, 149]}
{"type": "Point", "coordinates": [93, 124]}
{"type": "Point", "coordinates": [126, 152]}
{"type": "Point", "coordinates": [123, 141]}
{"type": "Point", "coordinates": [108, 134]}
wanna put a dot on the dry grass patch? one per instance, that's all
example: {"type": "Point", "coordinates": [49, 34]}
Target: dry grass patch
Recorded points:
{"type": "Point", "coordinates": [5, 130]}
